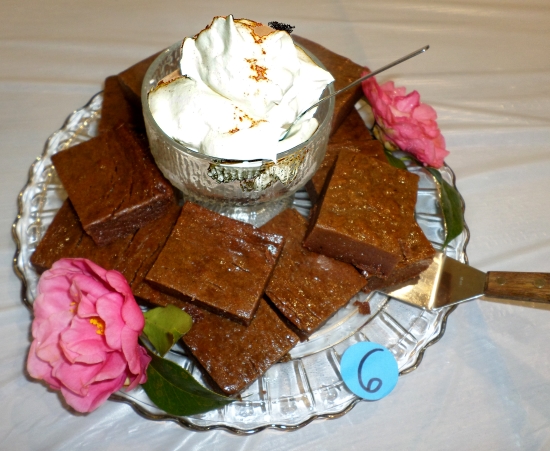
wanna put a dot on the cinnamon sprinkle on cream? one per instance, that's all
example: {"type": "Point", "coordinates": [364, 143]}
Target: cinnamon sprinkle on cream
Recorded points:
{"type": "Point", "coordinates": [260, 70]}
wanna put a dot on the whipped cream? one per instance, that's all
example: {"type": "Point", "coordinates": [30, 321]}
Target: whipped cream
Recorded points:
{"type": "Point", "coordinates": [241, 85]}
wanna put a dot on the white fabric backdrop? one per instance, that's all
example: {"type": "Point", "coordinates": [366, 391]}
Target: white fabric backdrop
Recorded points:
{"type": "Point", "coordinates": [486, 384]}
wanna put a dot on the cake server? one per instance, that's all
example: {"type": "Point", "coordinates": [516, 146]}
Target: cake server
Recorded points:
{"type": "Point", "coordinates": [447, 282]}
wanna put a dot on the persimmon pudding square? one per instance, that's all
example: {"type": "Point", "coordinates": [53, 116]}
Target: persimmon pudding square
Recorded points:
{"type": "Point", "coordinates": [306, 287]}
{"type": "Point", "coordinates": [113, 184]}
{"type": "Point", "coordinates": [116, 109]}
{"type": "Point", "coordinates": [235, 355]}
{"type": "Point", "coordinates": [221, 264]}
{"type": "Point", "coordinates": [365, 213]}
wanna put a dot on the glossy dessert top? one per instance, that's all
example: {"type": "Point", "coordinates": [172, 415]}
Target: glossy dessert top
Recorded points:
{"type": "Point", "coordinates": [306, 287]}
{"type": "Point", "coordinates": [218, 263]}
{"type": "Point", "coordinates": [365, 213]}
{"type": "Point", "coordinates": [114, 184]}
{"type": "Point", "coordinates": [234, 355]}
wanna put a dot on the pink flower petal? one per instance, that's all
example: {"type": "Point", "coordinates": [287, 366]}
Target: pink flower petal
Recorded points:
{"type": "Point", "coordinates": [406, 104]}
{"type": "Point", "coordinates": [141, 377]}
{"type": "Point", "coordinates": [76, 377]}
{"type": "Point", "coordinates": [39, 369]}
{"type": "Point", "coordinates": [90, 287]}
{"type": "Point", "coordinates": [117, 282]}
{"type": "Point", "coordinates": [132, 314]}
{"type": "Point", "coordinates": [48, 352]}
{"type": "Point", "coordinates": [86, 306]}
{"type": "Point", "coordinates": [49, 302]}
{"type": "Point", "coordinates": [49, 328]}
{"type": "Point", "coordinates": [94, 397]}
{"type": "Point", "coordinates": [84, 351]}
{"type": "Point", "coordinates": [109, 308]}
{"type": "Point", "coordinates": [145, 359]}
{"type": "Point", "coordinates": [113, 366]}
{"type": "Point", "coordinates": [424, 113]}
{"type": "Point", "coordinates": [130, 348]}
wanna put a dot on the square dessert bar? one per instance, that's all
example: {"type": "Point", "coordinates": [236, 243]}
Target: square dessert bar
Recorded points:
{"type": "Point", "coordinates": [132, 255]}
{"type": "Point", "coordinates": [353, 128]}
{"type": "Point", "coordinates": [131, 79]}
{"type": "Point", "coordinates": [418, 257]}
{"type": "Point", "coordinates": [144, 248]}
{"type": "Point", "coordinates": [234, 355]}
{"type": "Point", "coordinates": [114, 184]}
{"type": "Point", "coordinates": [116, 109]}
{"type": "Point", "coordinates": [371, 148]}
{"type": "Point", "coordinates": [344, 72]}
{"type": "Point", "coordinates": [221, 264]}
{"type": "Point", "coordinates": [306, 287]}
{"type": "Point", "coordinates": [365, 213]}
{"type": "Point", "coordinates": [65, 238]}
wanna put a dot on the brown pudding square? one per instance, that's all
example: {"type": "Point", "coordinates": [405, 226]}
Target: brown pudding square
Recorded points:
{"type": "Point", "coordinates": [419, 255]}
{"type": "Point", "coordinates": [221, 264]}
{"type": "Point", "coordinates": [371, 148]}
{"type": "Point", "coordinates": [132, 255]}
{"type": "Point", "coordinates": [114, 184]}
{"type": "Point", "coordinates": [234, 355]}
{"type": "Point", "coordinates": [365, 213]}
{"type": "Point", "coordinates": [353, 128]}
{"type": "Point", "coordinates": [144, 248]}
{"type": "Point", "coordinates": [65, 238]}
{"type": "Point", "coordinates": [306, 287]}
{"type": "Point", "coordinates": [131, 79]}
{"type": "Point", "coordinates": [344, 72]}
{"type": "Point", "coordinates": [60, 238]}
{"type": "Point", "coordinates": [115, 109]}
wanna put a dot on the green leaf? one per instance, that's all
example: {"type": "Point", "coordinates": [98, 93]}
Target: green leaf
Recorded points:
{"type": "Point", "coordinates": [166, 325]}
{"type": "Point", "coordinates": [394, 161]}
{"type": "Point", "coordinates": [451, 206]}
{"type": "Point", "coordinates": [175, 391]}
{"type": "Point", "coordinates": [159, 338]}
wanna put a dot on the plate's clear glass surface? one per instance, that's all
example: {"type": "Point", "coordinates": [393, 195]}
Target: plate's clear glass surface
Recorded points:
{"type": "Point", "coordinates": [292, 393]}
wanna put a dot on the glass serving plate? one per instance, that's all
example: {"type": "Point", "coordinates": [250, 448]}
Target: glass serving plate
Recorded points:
{"type": "Point", "coordinates": [290, 394]}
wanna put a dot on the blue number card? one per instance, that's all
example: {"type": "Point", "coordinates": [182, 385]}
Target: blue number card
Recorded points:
{"type": "Point", "coordinates": [369, 370]}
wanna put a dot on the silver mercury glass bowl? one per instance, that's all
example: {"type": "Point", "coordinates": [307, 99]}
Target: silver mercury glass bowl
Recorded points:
{"type": "Point", "coordinates": [250, 191]}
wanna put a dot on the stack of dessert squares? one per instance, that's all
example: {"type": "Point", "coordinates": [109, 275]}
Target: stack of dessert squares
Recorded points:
{"type": "Point", "coordinates": [253, 293]}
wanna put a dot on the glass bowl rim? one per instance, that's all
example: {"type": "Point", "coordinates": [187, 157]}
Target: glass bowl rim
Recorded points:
{"type": "Point", "coordinates": [217, 160]}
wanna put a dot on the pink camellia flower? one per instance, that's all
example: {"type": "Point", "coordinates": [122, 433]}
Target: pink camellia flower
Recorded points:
{"type": "Point", "coordinates": [85, 329]}
{"type": "Point", "coordinates": [405, 122]}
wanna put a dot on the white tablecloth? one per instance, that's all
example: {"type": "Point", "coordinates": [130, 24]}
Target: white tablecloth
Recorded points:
{"type": "Point", "coordinates": [486, 383]}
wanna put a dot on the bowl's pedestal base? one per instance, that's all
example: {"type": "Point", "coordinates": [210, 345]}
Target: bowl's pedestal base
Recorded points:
{"type": "Point", "coordinates": [257, 214]}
